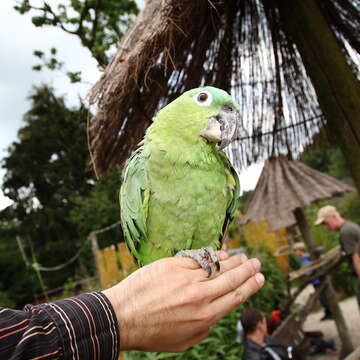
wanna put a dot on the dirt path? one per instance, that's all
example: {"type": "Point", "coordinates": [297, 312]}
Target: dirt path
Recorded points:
{"type": "Point", "coordinates": [351, 313]}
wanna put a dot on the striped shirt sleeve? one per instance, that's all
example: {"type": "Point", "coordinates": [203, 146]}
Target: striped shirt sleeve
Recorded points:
{"type": "Point", "coordinates": [77, 328]}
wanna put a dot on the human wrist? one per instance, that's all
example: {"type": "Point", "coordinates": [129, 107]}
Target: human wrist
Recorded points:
{"type": "Point", "coordinates": [122, 309]}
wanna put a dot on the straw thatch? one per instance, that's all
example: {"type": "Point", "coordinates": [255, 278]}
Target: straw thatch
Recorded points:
{"type": "Point", "coordinates": [285, 185]}
{"type": "Point", "coordinates": [239, 45]}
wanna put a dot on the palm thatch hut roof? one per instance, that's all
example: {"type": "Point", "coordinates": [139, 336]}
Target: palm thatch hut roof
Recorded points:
{"type": "Point", "coordinates": [241, 46]}
{"type": "Point", "coordinates": [286, 185]}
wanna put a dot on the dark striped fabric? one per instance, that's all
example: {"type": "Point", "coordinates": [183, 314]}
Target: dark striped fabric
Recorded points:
{"type": "Point", "coordinates": [78, 328]}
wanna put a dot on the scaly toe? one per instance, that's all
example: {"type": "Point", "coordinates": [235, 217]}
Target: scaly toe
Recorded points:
{"type": "Point", "coordinates": [204, 257]}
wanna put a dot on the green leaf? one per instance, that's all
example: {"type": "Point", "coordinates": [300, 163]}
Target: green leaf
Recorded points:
{"type": "Point", "coordinates": [38, 21]}
{"type": "Point", "coordinates": [74, 76]}
{"type": "Point", "coordinates": [37, 67]}
{"type": "Point", "coordinates": [38, 53]}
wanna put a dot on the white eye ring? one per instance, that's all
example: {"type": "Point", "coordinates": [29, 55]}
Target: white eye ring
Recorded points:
{"type": "Point", "coordinates": [203, 98]}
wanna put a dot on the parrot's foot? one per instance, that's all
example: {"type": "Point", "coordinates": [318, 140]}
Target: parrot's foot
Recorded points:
{"type": "Point", "coordinates": [204, 257]}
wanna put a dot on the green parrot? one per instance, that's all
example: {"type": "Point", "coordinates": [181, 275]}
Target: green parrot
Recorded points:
{"type": "Point", "coordinates": [179, 191]}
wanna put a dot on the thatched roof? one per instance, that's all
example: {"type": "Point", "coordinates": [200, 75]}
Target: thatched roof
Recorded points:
{"type": "Point", "coordinates": [285, 185]}
{"type": "Point", "coordinates": [241, 46]}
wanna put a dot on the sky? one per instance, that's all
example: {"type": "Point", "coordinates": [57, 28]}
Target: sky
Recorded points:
{"type": "Point", "coordinates": [18, 39]}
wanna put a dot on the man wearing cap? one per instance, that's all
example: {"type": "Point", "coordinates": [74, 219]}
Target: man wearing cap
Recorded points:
{"type": "Point", "coordinates": [349, 239]}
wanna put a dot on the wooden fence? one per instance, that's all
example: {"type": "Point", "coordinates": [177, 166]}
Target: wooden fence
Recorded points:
{"type": "Point", "coordinates": [114, 263]}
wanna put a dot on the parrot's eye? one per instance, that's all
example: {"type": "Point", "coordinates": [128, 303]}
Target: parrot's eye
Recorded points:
{"type": "Point", "coordinates": [204, 98]}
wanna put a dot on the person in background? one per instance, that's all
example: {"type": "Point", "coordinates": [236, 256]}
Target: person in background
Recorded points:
{"type": "Point", "coordinates": [137, 313]}
{"type": "Point", "coordinates": [304, 257]}
{"type": "Point", "coordinates": [329, 217]}
{"type": "Point", "coordinates": [274, 320]}
{"type": "Point", "coordinates": [258, 344]}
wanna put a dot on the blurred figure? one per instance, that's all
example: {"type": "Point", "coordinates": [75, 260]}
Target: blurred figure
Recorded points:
{"type": "Point", "coordinates": [349, 239]}
{"type": "Point", "coordinates": [258, 344]}
{"type": "Point", "coordinates": [320, 346]}
{"type": "Point", "coordinates": [304, 257]}
{"type": "Point", "coordinates": [274, 321]}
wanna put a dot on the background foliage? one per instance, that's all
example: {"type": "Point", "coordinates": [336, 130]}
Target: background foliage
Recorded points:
{"type": "Point", "coordinates": [17, 284]}
{"type": "Point", "coordinates": [97, 24]}
{"type": "Point", "coordinates": [45, 168]}
{"type": "Point", "coordinates": [56, 200]}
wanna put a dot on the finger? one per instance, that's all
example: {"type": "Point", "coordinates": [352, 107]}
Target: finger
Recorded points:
{"type": "Point", "coordinates": [223, 255]}
{"type": "Point", "coordinates": [230, 262]}
{"type": "Point", "coordinates": [233, 278]}
{"type": "Point", "coordinates": [222, 305]}
{"type": "Point", "coordinates": [187, 263]}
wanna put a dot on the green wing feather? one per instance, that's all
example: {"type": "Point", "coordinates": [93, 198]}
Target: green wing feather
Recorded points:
{"type": "Point", "coordinates": [134, 201]}
{"type": "Point", "coordinates": [234, 185]}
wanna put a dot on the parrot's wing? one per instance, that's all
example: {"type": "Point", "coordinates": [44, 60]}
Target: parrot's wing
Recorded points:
{"type": "Point", "coordinates": [234, 186]}
{"type": "Point", "coordinates": [134, 200]}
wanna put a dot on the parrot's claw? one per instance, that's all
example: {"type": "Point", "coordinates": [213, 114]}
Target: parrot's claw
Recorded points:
{"type": "Point", "coordinates": [217, 264]}
{"type": "Point", "coordinates": [204, 257]}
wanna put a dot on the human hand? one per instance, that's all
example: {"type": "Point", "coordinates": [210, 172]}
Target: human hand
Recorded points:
{"type": "Point", "coordinates": [170, 304]}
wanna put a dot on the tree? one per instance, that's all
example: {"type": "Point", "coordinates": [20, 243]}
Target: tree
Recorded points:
{"type": "Point", "coordinates": [18, 285]}
{"type": "Point", "coordinates": [97, 24]}
{"type": "Point", "coordinates": [330, 161]}
{"type": "Point", "coordinates": [45, 169]}
{"type": "Point", "coordinates": [99, 209]}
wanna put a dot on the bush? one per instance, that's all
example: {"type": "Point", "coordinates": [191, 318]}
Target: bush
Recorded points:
{"type": "Point", "coordinates": [5, 300]}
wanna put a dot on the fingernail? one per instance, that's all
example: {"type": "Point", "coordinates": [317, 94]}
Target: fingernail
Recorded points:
{"type": "Point", "coordinates": [260, 279]}
{"type": "Point", "coordinates": [256, 264]}
{"type": "Point", "coordinates": [243, 258]}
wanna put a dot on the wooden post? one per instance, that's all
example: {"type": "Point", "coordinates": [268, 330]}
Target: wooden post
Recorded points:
{"type": "Point", "coordinates": [347, 346]}
{"type": "Point", "coordinates": [305, 232]}
{"type": "Point", "coordinates": [95, 248]}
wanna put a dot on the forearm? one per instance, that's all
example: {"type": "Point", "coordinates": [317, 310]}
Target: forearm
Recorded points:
{"type": "Point", "coordinates": [356, 263]}
{"type": "Point", "coordinates": [76, 328]}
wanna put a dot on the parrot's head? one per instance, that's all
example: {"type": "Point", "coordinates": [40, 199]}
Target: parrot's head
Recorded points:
{"type": "Point", "coordinates": [206, 114]}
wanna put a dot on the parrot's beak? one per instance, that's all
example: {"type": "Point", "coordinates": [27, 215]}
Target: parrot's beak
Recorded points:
{"type": "Point", "coordinates": [222, 129]}
{"type": "Point", "coordinates": [229, 119]}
